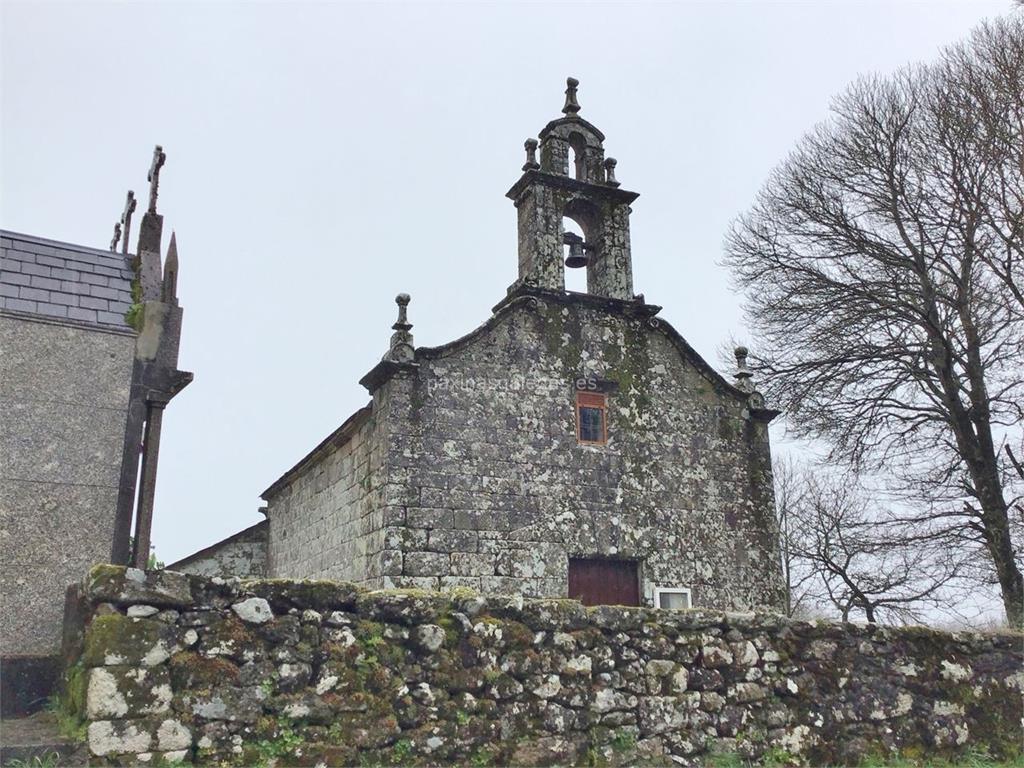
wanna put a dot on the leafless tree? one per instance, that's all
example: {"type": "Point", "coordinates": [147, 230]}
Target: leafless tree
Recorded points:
{"type": "Point", "coordinates": [790, 490]}
{"type": "Point", "coordinates": [882, 264]}
{"type": "Point", "coordinates": [838, 553]}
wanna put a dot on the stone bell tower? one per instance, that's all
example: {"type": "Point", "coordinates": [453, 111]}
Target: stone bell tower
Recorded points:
{"type": "Point", "coordinates": [573, 180]}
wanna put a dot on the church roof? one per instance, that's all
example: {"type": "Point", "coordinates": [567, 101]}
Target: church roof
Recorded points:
{"type": "Point", "coordinates": [336, 439]}
{"type": "Point", "coordinates": [64, 282]}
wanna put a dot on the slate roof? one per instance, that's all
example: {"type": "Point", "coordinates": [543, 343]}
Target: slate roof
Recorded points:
{"type": "Point", "coordinates": [64, 281]}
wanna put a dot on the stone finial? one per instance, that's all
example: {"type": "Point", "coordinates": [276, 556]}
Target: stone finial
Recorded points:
{"type": "Point", "coordinates": [743, 374]}
{"type": "Point", "coordinates": [402, 324]}
{"type": "Point", "coordinates": [169, 287]}
{"type": "Point", "coordinates": [609, 172]}
{"type": "Point", "coordinates": [126, 218]}
{"type": "Point", "coordinates": [116, 237]}
{"type": "Point", "coordinates": [159, 157]}
{"type": "Point", "coordinates": [402, 349]}
{"type": "Point", "coordinates": [531, 163]}
{"type": "Point", "coordinates": [572, 106]}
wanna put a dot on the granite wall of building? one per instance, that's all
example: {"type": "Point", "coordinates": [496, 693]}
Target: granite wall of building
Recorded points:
{"type": "Point", "coordinates": [498, 494]}
{"type": "Point", "coordinates": [64, 397]}
{"type": "Point", "coordinates": [223, 672]}
{"type": "Point", "coordinates": [468, 471]}
{"type": "Point", "coordinates": [326, 515]}
{"type": "Point", "coordinates": [243, 555]}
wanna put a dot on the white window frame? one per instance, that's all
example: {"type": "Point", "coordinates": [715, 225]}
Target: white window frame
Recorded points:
{"type": "Point", "coordinates": [659, 591]}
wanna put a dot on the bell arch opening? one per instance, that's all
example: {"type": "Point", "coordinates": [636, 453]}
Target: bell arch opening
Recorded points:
{"type": "Point", "coordinates": [573, 240]}
{"type": "Point", "coordinates": [578, 156]}
{"type": "Point", "coordinates": [581, 236]}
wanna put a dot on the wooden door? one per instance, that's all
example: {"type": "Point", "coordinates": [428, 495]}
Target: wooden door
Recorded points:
{"type": "Point", "coordinates": [604, 582]}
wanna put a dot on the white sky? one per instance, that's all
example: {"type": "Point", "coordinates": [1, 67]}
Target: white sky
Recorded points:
{"type": "Point", "coordinates": [323, 157]}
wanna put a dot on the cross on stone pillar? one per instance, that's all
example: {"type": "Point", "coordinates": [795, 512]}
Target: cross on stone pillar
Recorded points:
{"type": "Point", "coordinates": [159, 156]}
{"type": "Point", "coordinates": [126, 219]}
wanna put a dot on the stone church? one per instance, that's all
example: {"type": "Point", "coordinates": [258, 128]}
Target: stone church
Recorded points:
{"type": "Point", "coordinates": [572, 445]}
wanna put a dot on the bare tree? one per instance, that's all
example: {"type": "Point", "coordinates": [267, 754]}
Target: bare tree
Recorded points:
{"type": "Point", "coordinates": [841, 555]}
{"type": "Point", "coordinates": [790, 490]}
{"type": "Point", "coordinates": [882, 263]}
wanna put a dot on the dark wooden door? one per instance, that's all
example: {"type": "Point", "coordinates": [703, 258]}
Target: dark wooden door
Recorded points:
{"type": "Point", "coordinates": [604, 582]}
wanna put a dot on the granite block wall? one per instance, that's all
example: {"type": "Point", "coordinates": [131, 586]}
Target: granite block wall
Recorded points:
{"type": "Point", "coordinates": [215, 671]}
{"type": "Point", "coordinates": [243, 555]}
{"type": "Point", "coordinates": [469, 473]}
{"type": "Point", "coordinates": [497, 493]}
{"type": "Point", "coordinates": [64, 397]}
{"type": "Point", "coordinates": [327, 519]}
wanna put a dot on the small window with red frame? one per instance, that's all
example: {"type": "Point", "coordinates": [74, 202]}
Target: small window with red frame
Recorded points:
{"type": "Point", "coordinates": [591, 418]}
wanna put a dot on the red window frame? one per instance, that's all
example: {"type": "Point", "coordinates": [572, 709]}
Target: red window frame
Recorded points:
{"type": "Point", "coordinates": [597, 400]}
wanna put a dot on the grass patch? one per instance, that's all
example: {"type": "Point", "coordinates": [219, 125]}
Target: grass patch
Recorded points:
{"type": "Point", "coordinates": [49, 760]}
{"type": "Point", "coordinates": [67, 712]}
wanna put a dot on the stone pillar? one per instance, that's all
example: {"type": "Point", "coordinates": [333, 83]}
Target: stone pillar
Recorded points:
{"type": "Point", "coordinates": [540, 238]}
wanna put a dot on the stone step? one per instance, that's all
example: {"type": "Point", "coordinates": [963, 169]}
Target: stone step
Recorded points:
{"type": "Point", "coordinates": [36, 737]}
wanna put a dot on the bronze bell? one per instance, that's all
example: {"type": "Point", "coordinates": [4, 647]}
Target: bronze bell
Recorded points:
{"type": "Point", "coordinates": [577, 255]}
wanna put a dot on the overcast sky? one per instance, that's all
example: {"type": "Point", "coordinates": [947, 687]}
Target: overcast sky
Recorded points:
{"type": "Point", "coordinates": [323, 157]}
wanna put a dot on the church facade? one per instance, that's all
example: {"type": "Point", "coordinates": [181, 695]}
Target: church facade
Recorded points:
{"type": "Point", "coordinates": [572, 445]}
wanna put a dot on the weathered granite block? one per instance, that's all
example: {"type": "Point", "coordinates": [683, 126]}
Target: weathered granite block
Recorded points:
{"type": "Point", "coordinates": [117, 692]}
{"type": "Point", "coordinates": [452, 541]}
{"type": "Point", "coordinates": [428, 517]}
{"type": "Point", "coordinates": [467, 564]}
{"type": "Point", "coordinates": [426, 564]}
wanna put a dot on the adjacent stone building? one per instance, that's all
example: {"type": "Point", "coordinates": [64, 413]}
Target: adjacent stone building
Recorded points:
{"type": "Point", "coordinates": [89, 342]}
{"type": "Point", "coordinates": [65, 380]}
{"type": "Point", "coordinates": [574, 444]}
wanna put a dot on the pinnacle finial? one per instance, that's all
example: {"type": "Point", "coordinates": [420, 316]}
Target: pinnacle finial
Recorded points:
{"type": "Point", "coordinates": [743, 374]}
{"type": "Point", "coordinates": [531, 163]}
{"type": "Point", "coordinates": [609, 172]}
{"type": "Point", "coordinates": [401, 349]}
{"type": "Point", "coordinates": [572, 106]}
{"type": "Point", "coordinates": [402, 324]}
{"type": "Point", "coordinates": [169, 288]}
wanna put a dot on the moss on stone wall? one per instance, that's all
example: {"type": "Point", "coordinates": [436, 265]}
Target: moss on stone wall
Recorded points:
{"type": "Point", "coordinates": [255, 677]}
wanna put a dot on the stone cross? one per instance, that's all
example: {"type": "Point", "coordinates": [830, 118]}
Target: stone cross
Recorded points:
{"type": "Point", "coordinates": [126, 218]}
{"type": "Point", "coordinates": [117, 236]}
{"type": "Point", "coordinates": [159, 156]}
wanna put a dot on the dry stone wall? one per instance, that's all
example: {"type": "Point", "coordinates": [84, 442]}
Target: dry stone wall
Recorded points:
{"type": "Point", "coordinates": [168, 666]}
